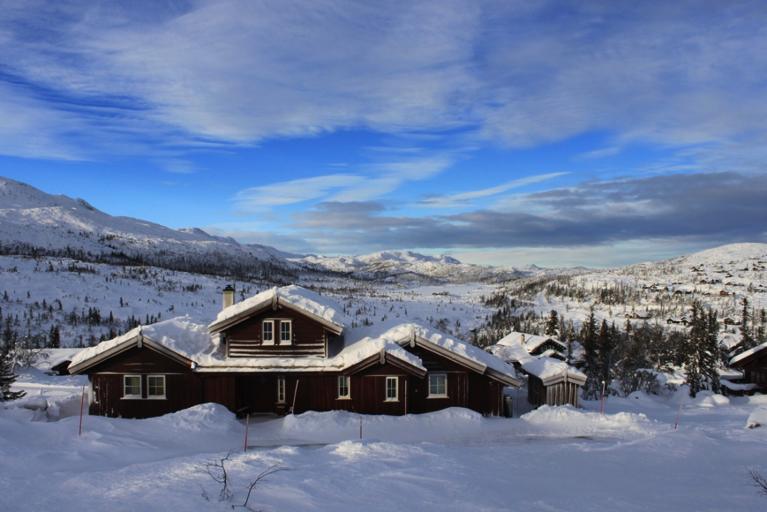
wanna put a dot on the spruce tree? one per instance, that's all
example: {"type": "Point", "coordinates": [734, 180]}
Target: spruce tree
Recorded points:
{"type": "Point", "coordinates": [7, 375]}
{"type": "Point", "coordinates": [746, 336]}
{"type": "Point", "coordinates": [606, 342]}
{"type": "Point", "coordinates": [54, 337]}
{"type": "Point", "coordinates": [590, 363]}
{"type": "Point", "coordinates": [552, 325]}
{"type": "Point", "coordinates": [711, 352]}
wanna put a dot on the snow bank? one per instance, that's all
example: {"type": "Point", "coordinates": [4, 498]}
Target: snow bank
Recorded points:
{"type": "Point", "coordinates": [337, 426]}
{"type": "Point", "coordinates": [709, 399]}
{"type": "Point", "coordinates": [568, 421]}
{"type": "Point", "coordinates": [198, 418]}
{"type": "Point", "coordinates": [758, 418]}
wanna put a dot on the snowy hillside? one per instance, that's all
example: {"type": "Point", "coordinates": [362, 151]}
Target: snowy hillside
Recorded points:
{"type": "Point", "coordinates": [33, 221]}
{"type": "Point", "coordinates": [90, 301]}
{"type": "Point", "coordinates": [408, 265]}
{"type": "Point", "coordinates": [658, 291]}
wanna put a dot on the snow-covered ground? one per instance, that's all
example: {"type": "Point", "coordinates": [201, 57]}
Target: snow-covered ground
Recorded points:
{"type": "Point", "coordinates": [551, 459]}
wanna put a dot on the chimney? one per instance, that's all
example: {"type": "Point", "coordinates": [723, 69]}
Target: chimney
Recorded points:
{"type": "Point", "coordinates": [228, 296]}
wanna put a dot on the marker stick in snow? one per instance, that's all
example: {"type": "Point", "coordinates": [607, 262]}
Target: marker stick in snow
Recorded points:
{"type": "Point", "coordinates": [82, 406]}
{"type": "Point", "coordinates": [247, 425]}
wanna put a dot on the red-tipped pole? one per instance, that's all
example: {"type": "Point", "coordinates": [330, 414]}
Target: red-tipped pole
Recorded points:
{"type": "Point", "coordinates": [247, 425]}
{"type": "Point", "coordinates": [82, 407]}
{"type": "Point", "coordinates": [678, 414]}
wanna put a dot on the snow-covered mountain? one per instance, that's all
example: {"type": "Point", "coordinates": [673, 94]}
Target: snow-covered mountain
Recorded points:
{"type": "Point", "coordinates": [660, 291]}
{"type": "Point", "coordinates": [408, 265]}
{"type": "Point", "coordinates": [32, 221]}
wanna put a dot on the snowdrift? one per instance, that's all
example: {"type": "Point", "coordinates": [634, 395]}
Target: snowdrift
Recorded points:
{"type": "Point", "coordinates": [566, 421]}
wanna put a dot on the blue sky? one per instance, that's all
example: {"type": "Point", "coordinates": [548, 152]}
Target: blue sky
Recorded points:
{"type": "Point", "coordinates": [557, 133]}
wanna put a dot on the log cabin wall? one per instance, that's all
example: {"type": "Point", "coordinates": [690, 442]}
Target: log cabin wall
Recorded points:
{"type": "Point", "coordinates": [308, 336]}
{"type": "Point", "coordinates": [183, 388]}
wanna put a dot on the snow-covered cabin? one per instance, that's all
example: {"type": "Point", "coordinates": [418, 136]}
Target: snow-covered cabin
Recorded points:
{"type": "Point", "coordinates": [289, 349]}
{"type": "Point", "coordinates": [532, 345]}
{"type": "Point", "coordinates": [753, 363]}
{"type": "Point", "coordinates": [550, 381]}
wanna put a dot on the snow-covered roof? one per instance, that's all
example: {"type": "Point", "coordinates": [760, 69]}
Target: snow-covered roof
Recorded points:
{"type": "Point", "coordinates": [322, 309]}
{"type": "Point", "coordinates": [193, 342]}
{"type": "Point", "coordinates": [551, 370]}
{"type": "Point", "coordinates": [198, 344]}
{"type": "Point", "coordinates": [530, 341]}
{"type": "Point", "coordinates": [465, 351]}
{"type": "Point", "coordinates": [179, 335]}
{"type": "Point", "coordinates": [514, 353]}
{"type": "Point", "coordinates": [748, 353]}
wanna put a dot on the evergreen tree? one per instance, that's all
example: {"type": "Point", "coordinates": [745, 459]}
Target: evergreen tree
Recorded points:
{"type": "Point", "coordinates": [702, 351]}
{"type": "Point", "coordinates": [590, 363]}
{"type": "Point", "coordinates": [552, 325]}
{"type": "Point", "coordinates": [7, 375]}
{"type": "Point", "coordinates": [711, 352]}
{"type": "Point", "coordinates": [746, 336]}
{"type": "Point", "coordinates": [606, 342]}
{"type": "Point", "coordinates": [54, 337]}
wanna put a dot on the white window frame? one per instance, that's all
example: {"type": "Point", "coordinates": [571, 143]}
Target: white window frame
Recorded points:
{"type": "Point", "coordinates": [437, 395]}
{"type": "Point", "coordinates": [281, 390]}
{"type": "Point", "coordinates": [396, 389]}
{"type": "Point", "coordinates": [348, 384]}
{"type": "Point", "coordinates": [132, 396]}
{"type": "Point", "coordinates": [149, 388]}
{"type": "Point", "coordinates": [288, 341]}
{"type": "Point", "coordinates": [264, 339]}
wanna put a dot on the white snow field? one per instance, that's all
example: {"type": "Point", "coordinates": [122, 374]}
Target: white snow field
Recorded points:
{"type": "Point", "coordinates": [551, 459]}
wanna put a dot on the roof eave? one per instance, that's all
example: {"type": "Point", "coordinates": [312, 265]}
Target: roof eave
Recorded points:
{"type": "Point", "coordinates": [217, 327]}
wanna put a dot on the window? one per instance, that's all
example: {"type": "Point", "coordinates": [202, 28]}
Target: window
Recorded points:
{"type": "Point", "coordinates": [343, 387]}
{"type": "Point", "coordinates": [281, 390]}
{"type": "Point", "coordinates": [286, 334]}
{"type": "Point", "coordinates": [392, 391]}
{"type": "Point", "coordinates": [437, 385]}
{"type": "Point", "coordinates": [155, 386]}
{"type": "Point", "coordinates": [131, 386]}
{"type": "Point", "coordinates": [267, 332]}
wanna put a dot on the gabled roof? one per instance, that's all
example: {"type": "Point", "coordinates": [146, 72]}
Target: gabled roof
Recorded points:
{"type": "Point", "coordinates": [552, 371]}
{"type": "Point", "coordinates": [134, 338]}
{"type": "Point", "coordinates": [306, 302]}
{"type": "Point", "coordinates": [529, 341]}
{"type": "Point", "coordinates": [744, 357]}
{"type": "Point", "coordinates": [456, 350]}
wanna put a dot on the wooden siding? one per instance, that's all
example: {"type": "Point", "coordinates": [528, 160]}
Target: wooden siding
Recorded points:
{"type": "Point", "coordinates": [309, 336]}
{"type": "Point", "coordinates": [561, 393]}
{"type": "Point", "coordinates": [182, 387]}
{"type": "Point", "coordinates": [257, 392]}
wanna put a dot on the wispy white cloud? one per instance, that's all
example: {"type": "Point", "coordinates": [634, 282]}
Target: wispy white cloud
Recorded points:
{"type": "Point", "coordinates": [519, 74]}
{"type": "Point", "coordinates": [466, 198]}
{"type": "Point", "coordinates": [256, 199]}
{"type": "Point", "coordinates": [373, 181]}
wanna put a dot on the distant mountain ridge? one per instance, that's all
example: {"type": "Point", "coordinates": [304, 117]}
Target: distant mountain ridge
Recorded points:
{"type": "Point", "coordinates": [35, 222]}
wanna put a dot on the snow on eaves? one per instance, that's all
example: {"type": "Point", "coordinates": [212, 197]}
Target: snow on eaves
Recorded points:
{"type": "Point", "coordinates": [530, 341]}
{"type": "Point", "coordinates": [296, 296]}
{"type": "Point", "coordinates": [404, 332]}
{"type": "Point", "coordinates": [179, 334]}
{"type": "Point", "coordinates": [549, 369]}
{"type": "Point", "coordinates": [748, 353]}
